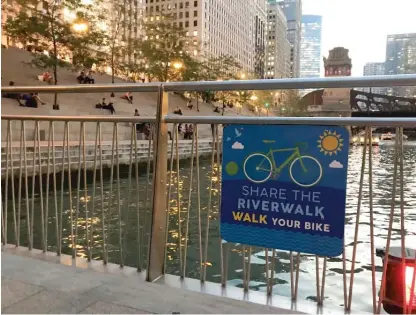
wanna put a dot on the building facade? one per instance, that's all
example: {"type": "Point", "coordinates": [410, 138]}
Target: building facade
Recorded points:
{"type": "Point", "coordinates": [371, 69]}
{"type": "Point", "coordinates": [401, 59]}
{"type": "Point", "coordinates": [278, 46]}
{"type": "Point", "coordinates": [219, 27]}
{"type": "Point", "coordinates": [338, 63]}
{"type": "Point", "coordinates": [292, 10]}
{"type": "Point", "coordinates": [311, 44]}
{"type": "Point", "coordinates": [260, 22]}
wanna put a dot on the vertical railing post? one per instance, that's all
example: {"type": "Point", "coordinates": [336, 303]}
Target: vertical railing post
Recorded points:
{"type": "Point", "coordinates": [157, 239]}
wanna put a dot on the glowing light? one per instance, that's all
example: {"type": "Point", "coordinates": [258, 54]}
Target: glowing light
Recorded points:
{"type": "Point", "coordinates": [408, 280]}
{"type": "Point", "coordinates": [177, 65]}
{"type": "Point", "coordinates": [80, 27]}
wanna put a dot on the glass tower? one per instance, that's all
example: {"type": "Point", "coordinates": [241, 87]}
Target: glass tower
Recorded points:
{"type": "Point", "coordinates": [401, 59]}
{"type": "Point", "coordinates": [311, 44]}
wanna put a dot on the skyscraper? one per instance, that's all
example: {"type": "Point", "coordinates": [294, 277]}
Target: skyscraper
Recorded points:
{"type": "Point", "coordinates": [374, 68]}
{"type": "Point", "coordinates": [260, 22]}
{"type": "Point", "coordinates": [293, 12]}
{"type": "Point", "coordinates": [311, 42]}
{"type": "Point", "coordinates": [220, 27]}
{"type": "Point", "coordinates": [401, 59]}
{"type": "Point", "coordinates": [278, 46]}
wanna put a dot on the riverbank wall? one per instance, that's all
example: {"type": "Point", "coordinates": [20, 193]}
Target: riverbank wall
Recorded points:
{"type": "Point", "coordinates": [31, 161]}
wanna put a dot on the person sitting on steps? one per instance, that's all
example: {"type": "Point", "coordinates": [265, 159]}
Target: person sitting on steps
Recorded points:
{"type": "Point", "coordinates": [108, 106]}
{"type": "Point", "coordinates": [13, 96]}
{"type": "Point", "coordinates": [89, 79]}
{"type": "Point", "coordinates": [32, 100]}
{"type": "Point", "coordinates": [128, 97]}
{"type": "Point", "coordinates": [189, 105]}
{"type": "Point", "coordinates": [47, 77]}
{"type": "Point", "coordinates": [81, 77]}
{"type": "Point", "coordinates": [177, 111]}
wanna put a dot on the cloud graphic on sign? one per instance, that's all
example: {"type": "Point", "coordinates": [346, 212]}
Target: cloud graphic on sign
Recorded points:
{"type": "Point", "coordinates": [237, 146]}
{"type": "Point", "coordinates": [228, 139]}
{"type": "Point", "coordinates": [336, 164]}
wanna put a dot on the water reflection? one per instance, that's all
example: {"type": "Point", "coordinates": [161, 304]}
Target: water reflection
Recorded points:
{"type": "Point", "coordinates": [136, 213]}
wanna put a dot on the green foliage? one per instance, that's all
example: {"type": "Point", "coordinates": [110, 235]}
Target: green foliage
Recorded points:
{"type": "Point", "coordinates": [47, 30]}
{"type": "Point", "coordinates": [162, 47]}
{"type": "Point", "coordinates": [292, 105]}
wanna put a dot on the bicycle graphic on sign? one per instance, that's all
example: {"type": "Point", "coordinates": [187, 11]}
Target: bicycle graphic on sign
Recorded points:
{"type": "Point", "coordinates": [304, 170]}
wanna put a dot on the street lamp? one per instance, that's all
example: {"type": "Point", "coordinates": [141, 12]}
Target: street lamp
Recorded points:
{"type": "Point", "coordinates": [243, 76]}
{"type": "Point", "coordinates": [254, 97]}
{"type": "Point", "coordinates": [80, 27]}
{"type": "Point", "coordinates": [177, 65]}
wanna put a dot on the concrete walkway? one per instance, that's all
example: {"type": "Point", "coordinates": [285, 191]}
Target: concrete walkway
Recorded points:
{"type": "Point", "coordinates": [30, 285]}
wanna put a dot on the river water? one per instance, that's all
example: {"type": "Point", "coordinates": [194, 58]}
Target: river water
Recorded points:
{"type": "Point", "coordinates": [382, 187]}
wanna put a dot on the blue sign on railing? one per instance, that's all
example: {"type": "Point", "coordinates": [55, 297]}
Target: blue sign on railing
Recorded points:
{"type": "Point", "coordinates": [284, 187]}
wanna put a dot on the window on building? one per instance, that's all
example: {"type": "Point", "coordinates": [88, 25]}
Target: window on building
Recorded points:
{"type": "Point", "coordinates": [195, 13]}
{"type": "Point", "coordinates": [196, 23]}
{"type": "Point", "coordinates": [187, 24]}
{"type": "Point", "coordinates": [195, 3]}
{"type": "Point", "coordinates": [187, 14]}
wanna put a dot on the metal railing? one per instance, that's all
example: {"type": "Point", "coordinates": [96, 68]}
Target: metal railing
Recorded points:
{"type": "Point", "coordinates": [184, 229]}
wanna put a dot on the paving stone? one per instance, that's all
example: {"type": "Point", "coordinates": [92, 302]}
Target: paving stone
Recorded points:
{"type": "Point", "coordinates": [13, 291]}
{"type": "Point", "coordinates": [103, 307]}
{"type": "Point", "coordinates": [152, 301]}
{"type": "Point", "coordinates": [50, 275]}
{"type": "Point", "coordinates": [43, 302]}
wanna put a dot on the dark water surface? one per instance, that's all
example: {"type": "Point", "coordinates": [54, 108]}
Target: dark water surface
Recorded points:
{"type": "Point", "coordinates": [134, 254]}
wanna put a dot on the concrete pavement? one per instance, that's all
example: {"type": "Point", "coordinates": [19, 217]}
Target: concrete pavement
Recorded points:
{"type": "Point", "coordinates": [35, 286]}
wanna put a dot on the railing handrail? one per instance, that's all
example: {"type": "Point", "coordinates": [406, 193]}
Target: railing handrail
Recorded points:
{"type": "Point", "coordinates": [272, 84]}
{"type": "Point", "coordinates": [293, 83]}
{"type": "Point", "coordinates": [255, 120]}
{"type": "Point", "coordinates": [330, 121]}
{"type": "Point", "coordinates": [84, 88]}
{"type": "Point", "coordinates": [110, 119]}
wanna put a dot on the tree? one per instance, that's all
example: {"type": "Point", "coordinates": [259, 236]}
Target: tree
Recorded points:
{"type": "Point", "coordinates": [47, 30]}
{"type": "Point", "coordinates": [113, 41]}
{"type": "Point", "coordinates": [291, 105]}
{"type": "Point", "coordinates": [211, 69]}
{"type": "Point", "coordinates": [162, 51]}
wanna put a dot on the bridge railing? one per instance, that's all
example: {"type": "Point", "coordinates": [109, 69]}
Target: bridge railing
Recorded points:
{"type": "Point", "coordinates": [181, 233]}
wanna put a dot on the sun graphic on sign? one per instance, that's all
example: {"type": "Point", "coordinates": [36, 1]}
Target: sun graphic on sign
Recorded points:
{"type": "Point", "coordinates": [330, 142]}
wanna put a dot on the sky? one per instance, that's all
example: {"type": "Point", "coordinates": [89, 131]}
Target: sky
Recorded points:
{"type": "Point", "coordinates": [362, 26]}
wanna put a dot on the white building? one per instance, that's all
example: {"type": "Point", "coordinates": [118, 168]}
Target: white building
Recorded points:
{"type": "Point", "coordinates": [374, 68]}
{"type": "Point", "coordinates": [218, 27]}
{"type": "Point", "coordinates": [278, 46]}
